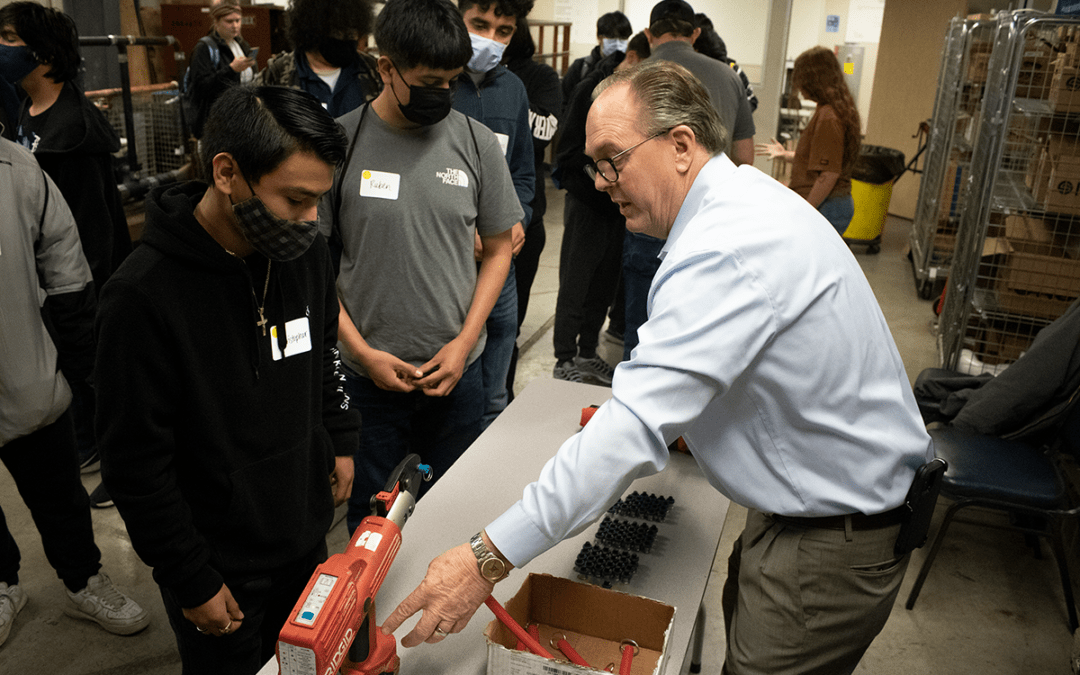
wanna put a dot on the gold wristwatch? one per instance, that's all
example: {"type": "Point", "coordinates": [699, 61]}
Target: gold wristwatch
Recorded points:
{"type": "Point", "coordinates": [491, 566]}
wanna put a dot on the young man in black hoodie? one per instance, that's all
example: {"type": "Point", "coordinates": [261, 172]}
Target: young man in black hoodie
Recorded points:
{"type": "Point", "coordinates": [73, 143]}
{"type": "Point", "coordinates": [225, 433]}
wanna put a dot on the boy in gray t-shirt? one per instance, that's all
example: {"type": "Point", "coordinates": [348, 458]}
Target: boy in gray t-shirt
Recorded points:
{"type": "Point", "coordinates": [419, 181]}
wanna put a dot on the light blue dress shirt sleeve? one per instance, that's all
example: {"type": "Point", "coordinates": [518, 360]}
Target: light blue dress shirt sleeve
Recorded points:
{"type": "Point", "coordinates": [766, 351]}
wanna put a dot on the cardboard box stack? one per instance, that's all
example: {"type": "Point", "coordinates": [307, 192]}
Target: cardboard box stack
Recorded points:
{"type": "Point", "coordinates": [1039, 277]}
{"type": "Point", "coordinates": [1054, 177]}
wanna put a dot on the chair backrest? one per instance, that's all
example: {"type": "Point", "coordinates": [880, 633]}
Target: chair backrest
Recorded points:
{"type": "Point", "coordinates": [1069, 432]}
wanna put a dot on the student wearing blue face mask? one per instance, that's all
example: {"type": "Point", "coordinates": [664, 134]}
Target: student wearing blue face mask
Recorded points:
{"type": "Point", "coordinates": [489, 93]}
{"type": "Point", "coordinates": [613, 33]}
{"type": "Point", "coordinates": [73, 143]}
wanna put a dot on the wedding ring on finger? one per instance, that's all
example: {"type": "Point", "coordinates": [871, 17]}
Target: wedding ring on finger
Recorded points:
{"type": "Point", "coordinates": [227, 628]}
{"type": "Point", "coordinates": [440, 632]}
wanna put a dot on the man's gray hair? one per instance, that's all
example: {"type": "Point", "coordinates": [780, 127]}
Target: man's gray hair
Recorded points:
{"type": "Point", "coordinates": [670, 95]}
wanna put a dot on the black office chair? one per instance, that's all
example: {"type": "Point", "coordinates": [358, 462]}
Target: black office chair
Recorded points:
{"type": "Point", "coordinates": [1019, 478]}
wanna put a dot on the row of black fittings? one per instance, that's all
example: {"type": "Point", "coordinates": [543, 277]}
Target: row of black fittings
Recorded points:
{"type": "Point", "coordinates": [627, 535]}
{"type": "Point", "coordinates": [644, 506]}
{"type": "Point", "coordinates": [605, 563]}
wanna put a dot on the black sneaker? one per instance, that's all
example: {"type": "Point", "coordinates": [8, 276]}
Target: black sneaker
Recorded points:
{"type": "Point", "coordinates": [91, 464]}
{"type": "Point", "coordinates": [100, 498]}
{"type": "Point", "coordinates": [566, 370]}
{"type": "Point", "coordinates": [595, 368]}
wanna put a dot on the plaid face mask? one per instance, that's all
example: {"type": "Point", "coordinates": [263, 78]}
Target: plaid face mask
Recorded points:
{"type": "Point", "coordinates": [276, 238]}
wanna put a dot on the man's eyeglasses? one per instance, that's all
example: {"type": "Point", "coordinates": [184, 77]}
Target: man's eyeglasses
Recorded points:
{"type": "Point", "coordinates": [606, 166]}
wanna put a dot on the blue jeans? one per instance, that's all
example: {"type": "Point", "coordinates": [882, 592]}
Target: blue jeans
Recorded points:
{"type": "Point", "coordinates": [501, 326]}
{"type": "Point", "coordinates": [439, 429]}
{"type": "Point", "coordinates": [640, 262]}
{"type": "Point", "coordinates": [838, 211]}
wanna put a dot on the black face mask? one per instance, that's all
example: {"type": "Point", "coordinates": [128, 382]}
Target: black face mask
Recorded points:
{"type": "Point", "coordinates": [427, 105]}
{"type": "Point", "coordinates": [337, 52]}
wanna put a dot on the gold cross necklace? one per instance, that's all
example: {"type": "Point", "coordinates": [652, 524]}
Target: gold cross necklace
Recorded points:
{"type": "Point", "coordinates": [261, 323]}
{"type": "Point", "coordinates": [262, 318]}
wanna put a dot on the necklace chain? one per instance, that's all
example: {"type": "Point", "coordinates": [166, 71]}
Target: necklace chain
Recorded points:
{"type": "Point", "coordinates": [262, 318]}
{"type": "Point", "coordinates": [261, 323]}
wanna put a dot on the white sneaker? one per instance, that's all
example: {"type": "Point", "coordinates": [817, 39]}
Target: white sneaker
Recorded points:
{"type": "Point", "coordinates": [596, 368]}
{"type": "Point", "coordinates": [12, 599]}
{"type": "Point", "coordinates": [101, 602]}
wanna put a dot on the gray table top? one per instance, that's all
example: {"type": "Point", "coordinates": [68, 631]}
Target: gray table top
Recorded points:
{"type": "Point", "coordinates": [490, 477]}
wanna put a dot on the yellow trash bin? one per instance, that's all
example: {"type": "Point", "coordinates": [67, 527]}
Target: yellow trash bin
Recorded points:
{"type": "Point", "coordinates": [871, 208]}
{"type": "Point", "coordinates": [872, 181]}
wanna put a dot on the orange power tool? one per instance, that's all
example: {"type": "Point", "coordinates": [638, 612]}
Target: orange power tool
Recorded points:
{"type": "Point", "coordinates": [333, 623]}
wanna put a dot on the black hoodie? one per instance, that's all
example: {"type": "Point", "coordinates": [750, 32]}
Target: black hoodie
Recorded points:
{"type": "Point", "coordinates": [216, 449]}
{"type": "Point", "coordinates": [74, 143]}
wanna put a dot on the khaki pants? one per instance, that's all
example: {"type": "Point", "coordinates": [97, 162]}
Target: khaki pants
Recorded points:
{"type": "Point", "coordinates": [806, 600]}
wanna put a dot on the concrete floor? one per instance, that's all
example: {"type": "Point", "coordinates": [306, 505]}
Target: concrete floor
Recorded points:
{"type": "Point", "coordinates": [989, 606]}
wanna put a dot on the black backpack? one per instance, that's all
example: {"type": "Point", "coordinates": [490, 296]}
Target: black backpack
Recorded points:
{"type": "Point", "coordinates": [187, 96]}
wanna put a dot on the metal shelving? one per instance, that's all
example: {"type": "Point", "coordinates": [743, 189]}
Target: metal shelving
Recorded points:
{"type": "Point", "coordinates": [1016, 263]}
{"type": "Point", "coordinates": [963, 75]}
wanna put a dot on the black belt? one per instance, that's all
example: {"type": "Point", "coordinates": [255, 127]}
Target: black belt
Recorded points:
{"type": "Point", "coordinates": [859, 521]}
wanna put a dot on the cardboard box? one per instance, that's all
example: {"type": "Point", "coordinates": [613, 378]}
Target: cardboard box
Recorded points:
{"type": "Point", "coordinates": [1062, 190]}
{"type": "Point", "coordinates": [1064, 93]}
{"type": "Point", "coordinates": [1040, 269]}
{"type": "Point", "coordinates": [1029, 228]}
{"type": "Point", "coordinates": [978, 65]}
{"type": "Point", "coordinates": [1005, 343]}
{"type": "Point", "coordinates": [952, 183]}
{"type": "Point", "coordinates": [593, 619]}
{"type": "Point", "coordinates": [1033, 77]}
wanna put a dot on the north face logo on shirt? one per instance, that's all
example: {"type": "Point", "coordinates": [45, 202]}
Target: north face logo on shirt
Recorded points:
{"type": "Point", "coordinates": [453, 177]}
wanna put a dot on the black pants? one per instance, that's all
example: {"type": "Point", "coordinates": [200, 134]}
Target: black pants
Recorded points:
{"type": "Point", "coordinates": [589, 265]}
{"type": "Point", "coordinates": [45, 467]}
{"type": "Point", "coordinates": [265, 599]}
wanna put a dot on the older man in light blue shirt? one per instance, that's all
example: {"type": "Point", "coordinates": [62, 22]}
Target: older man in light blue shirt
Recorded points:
{"type": "Point", "coordinates": [766, 351]}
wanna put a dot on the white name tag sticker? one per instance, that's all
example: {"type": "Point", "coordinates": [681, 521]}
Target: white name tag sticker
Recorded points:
{"type": "Point", "coordinates": [379, 184]}
{"type": "Point", "coordinates": [297, 339]}
{"type": "Point", "coordinates": [504, 141]}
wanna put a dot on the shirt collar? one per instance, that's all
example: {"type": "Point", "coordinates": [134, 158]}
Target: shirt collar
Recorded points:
{"type": "Point", "coordinates": [715, 171]}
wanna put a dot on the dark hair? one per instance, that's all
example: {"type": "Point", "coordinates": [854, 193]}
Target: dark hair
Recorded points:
{"type": "Point", "coordinates": [514, 8]}
{"type": "Point", "coordinates": [522, 45]}
{"type": "Point", "coordinates": [709, 42]}
{"type": "Point", "coordinates": [310, 22]}
{"type": "Point", "coordinates": [614, 25]}
{"type": "Point", "coordinates": [423, 33]}
{"type": "Point", "coordinates": [672, 16]}
{"type": "Point", "coordinates": [261, 127]}
{"type": "Point", "coordinates": [49, 33]}
{"type": "Point", "coordinates": [640, 44]}
{"type": "Point", "coordinates": [817, 75]}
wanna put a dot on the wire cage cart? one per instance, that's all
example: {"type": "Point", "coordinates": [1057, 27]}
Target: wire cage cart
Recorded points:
{"type": "Point", "coordinates": [963, 75]}
{"type": "Point", "coordinates": [148, 119]}
{"type": "Point", "coordinates": [1016, 266]}
{"type": "Point", "coordinates": [157, 125]}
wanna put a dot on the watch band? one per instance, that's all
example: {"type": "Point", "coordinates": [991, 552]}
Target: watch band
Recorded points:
{"type": "Point", "coordinates": [491, 566]}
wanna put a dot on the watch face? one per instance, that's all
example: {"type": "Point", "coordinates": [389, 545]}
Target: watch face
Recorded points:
{"type": "Point", "coordinates": [493, 569]}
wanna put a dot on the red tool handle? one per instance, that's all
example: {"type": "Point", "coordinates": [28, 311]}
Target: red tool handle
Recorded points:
{"type": "Point", "coordinates": [628, 651]}
{"type": "Point", "coordinates": [571, 653]}
{"type": "Point", "coordinates": [516, 628]}
{"type": "Point", "coordinates": [534, 631]}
